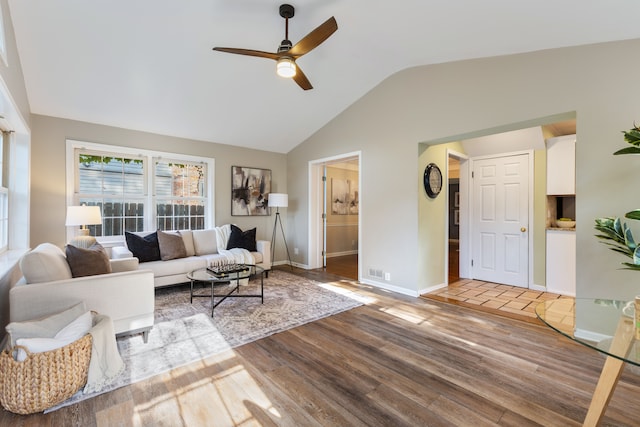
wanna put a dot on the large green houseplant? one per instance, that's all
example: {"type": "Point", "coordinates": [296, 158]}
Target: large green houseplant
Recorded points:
{"type": "Point", "coordinates": [614, 231]}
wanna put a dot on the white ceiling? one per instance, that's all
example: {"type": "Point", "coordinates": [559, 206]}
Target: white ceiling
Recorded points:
{"type": "Point", "coordinates": [148, 64]}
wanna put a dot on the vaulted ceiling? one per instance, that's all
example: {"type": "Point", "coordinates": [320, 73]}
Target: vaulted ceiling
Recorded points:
{"type": "Point", "coordinates": [148, 64]}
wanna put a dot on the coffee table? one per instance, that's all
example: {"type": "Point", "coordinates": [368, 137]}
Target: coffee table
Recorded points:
{"type": "Point", "coordinates": [229, 281]}
{"type": "Point", "coordinates": [599, 324]}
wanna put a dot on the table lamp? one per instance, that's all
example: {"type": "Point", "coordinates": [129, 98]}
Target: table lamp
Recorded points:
{"type": "Point", "coordinates": [83, 216]}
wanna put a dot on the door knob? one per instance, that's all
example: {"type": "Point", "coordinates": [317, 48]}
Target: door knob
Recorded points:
{"type": "Point", "coordinates": [523, 229]}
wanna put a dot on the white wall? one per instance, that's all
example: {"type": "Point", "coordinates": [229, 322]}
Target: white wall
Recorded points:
{"type": "Point", "coordinates": [467, 99]}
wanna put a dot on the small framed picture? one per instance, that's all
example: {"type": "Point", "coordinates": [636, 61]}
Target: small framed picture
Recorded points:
{"type": "Point", "coordinates": [456, 199]}
{"type": "Point", "coordinates": [456, 216]}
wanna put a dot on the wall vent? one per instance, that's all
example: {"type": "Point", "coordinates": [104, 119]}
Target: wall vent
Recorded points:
{"type": "Point", "coordinates": [373, 272]}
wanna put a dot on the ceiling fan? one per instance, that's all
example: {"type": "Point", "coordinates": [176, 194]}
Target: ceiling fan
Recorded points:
{"type": "Point", "coordinates": [287, 53]}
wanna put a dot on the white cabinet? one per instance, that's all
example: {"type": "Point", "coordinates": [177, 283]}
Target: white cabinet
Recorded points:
{"type": "Point", "coordinates": [561, 262]}
{"type": "Point", "coordinates": [561, 165]}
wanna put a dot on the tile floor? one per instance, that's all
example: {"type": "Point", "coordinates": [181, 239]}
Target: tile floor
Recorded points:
{"type": "Point", "coordinates": [509, 301]}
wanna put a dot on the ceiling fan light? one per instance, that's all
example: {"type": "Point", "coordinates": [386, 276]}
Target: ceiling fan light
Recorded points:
{"type": "Point", "coordinates": [285, 67]}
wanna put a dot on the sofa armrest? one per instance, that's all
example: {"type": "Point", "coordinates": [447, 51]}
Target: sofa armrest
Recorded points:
{"type": "Point", "coordinates": [119, 265]}
{"type": "Point", "coordinates": [264, 247]}
{"type": "Point", "coordinates": [118, 252]}
{"type": "Point", "coordinates": [118, 295]}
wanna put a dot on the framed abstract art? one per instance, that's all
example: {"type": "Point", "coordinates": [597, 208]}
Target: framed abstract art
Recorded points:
{"type": "Point", "coordinates": [249, 190]}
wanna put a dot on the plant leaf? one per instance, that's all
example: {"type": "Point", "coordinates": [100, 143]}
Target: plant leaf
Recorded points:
{"type": "Point", "coordinates": [632, 136]}
{"type": "Point", "coordinates": [629, 266]}
{"type": "Point", "coordinates": [628, 237]}
{"type": "Point", "coordinates": [628, 150]}
{"type": "Point", "coordinates": [617, 225]}
{"type": "Point", "coordinates": [636, 256]}
{"type": "Point", "coordinates": [634, 214]}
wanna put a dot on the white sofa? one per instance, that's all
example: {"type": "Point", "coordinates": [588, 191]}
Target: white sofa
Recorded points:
{"type": "Point", "coordinates": [202, 250]}
{"type": "Point", "coordinates": [126, 295]}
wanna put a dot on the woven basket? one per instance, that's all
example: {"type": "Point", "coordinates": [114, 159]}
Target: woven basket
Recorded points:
{"type": "Point", "coordinates": [45, 379]}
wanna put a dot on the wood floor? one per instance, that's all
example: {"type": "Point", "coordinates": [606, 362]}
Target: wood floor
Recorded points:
{"type": "Point", "coordinates": [345, 266]}
{"type": "Point", "coordinates": [395, 361]}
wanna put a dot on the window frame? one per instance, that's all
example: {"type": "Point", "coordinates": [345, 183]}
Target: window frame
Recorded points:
{"type": "Point", "coordinates": [149, 157]}
{"type": "Point", "coordinates": [156, 197]}
{"type": "Point", "coordinates": [3, 39]}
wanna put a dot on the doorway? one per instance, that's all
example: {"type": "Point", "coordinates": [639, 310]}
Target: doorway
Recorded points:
{"type": "Point", "coordinates": [335, 215]}
{"type": "Point", "coordinates": [501, 201]}
{"type": "Point", "coordinates": [453, 174]}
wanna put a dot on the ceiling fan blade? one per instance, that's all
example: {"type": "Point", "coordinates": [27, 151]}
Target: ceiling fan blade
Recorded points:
{"type": "Point", "coordinates": [301, 79]}
{"type": "Point", "coordinates": [248, 52]}
{"type": "Point", "coordinates": [314, 38]}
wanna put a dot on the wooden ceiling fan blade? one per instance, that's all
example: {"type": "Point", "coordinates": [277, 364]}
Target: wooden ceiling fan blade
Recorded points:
{"type": "Point", "coordinates": [314, 38]}
{"type": "Point", "coordinates": [248, 52]}
{"type": "Point", "coordinates": [301, 79]}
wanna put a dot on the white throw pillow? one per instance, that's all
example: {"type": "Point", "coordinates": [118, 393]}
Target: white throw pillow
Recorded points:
{"type": "Point", "coordinates": [187, 238]}
{"type": "Point", "coordinates": [38, 345]}
{"type": "Point", "coordinates": [70, 333]}
{"type": "Point", "coordinates": [76, 329]}
{"type": "Point", "coordinates": [45, 263]}
{"type": "Point", "coordinates": [46, 327]}
{"type": "Point", "coordinates": [205, 242]}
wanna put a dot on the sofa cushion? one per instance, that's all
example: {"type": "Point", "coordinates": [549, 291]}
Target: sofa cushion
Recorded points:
{"type": "Point", "coordinates": [88, 262]}
{"type": "Point", "coordinates": [242, 239]}
{"type": "Point", "coordinates": [171, 246]}
{"type": "Point", "coordinates": [144, 248]}
{"type": "Point", "coordinates": [187, 238]}
{"type": "Point", "coordinates": [205, 242]}
{"type": "Point", "coordinates": [175, 266]}
{"type": "Point", "coordinates": [45, 263]}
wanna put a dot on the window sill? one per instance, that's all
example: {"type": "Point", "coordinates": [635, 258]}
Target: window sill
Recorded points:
{"type": "Point", "coordinates": [9, 259]}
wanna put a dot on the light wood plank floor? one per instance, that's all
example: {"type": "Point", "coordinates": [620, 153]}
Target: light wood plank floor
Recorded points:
{"type": "Point", "coordinates": [396, 361]}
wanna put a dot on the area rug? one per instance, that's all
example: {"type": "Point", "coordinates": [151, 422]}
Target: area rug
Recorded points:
{"type": "Point", "coordinates": [184, 332]}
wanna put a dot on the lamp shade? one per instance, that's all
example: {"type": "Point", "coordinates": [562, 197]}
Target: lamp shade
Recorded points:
{"type": "Point", "coordinates": [83, 215]}
{"type": "Point", "coordinates": [278, 200]}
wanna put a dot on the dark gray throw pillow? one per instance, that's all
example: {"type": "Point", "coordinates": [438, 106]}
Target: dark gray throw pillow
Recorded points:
{"type": "Point", "coordinates": [242, 239]}
{"type": "Point", "coordinates": [171, 246]}
{"type": "Point", "coordinates": [88, 262]}
{"type": "Point", "coordinates": [144, 248]}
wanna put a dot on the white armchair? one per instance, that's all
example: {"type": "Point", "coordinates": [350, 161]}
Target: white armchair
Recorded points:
{"type": "Point", "coordinates": [126, 295]}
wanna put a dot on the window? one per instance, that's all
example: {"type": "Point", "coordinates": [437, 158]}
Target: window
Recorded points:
{"type": "Point", "coordinates": [180, 195]}
{"type": "Point", "coordinates": [4, 196]}
{"type": "Point", "coordinates": [3, 40]}
{"type": "Point", "coordinates": [139, 191]}
{"type": "Point", "coordinates": [116, 184]}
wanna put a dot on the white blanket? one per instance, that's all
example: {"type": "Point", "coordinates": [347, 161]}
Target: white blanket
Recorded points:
{"type": "Point", "coordinates": [235, 255]}
{"type": "Point", "coordinates": [106, 363]}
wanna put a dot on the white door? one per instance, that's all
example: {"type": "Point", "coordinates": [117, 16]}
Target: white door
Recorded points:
{"type": "Point", "coordinates": [500, 220]}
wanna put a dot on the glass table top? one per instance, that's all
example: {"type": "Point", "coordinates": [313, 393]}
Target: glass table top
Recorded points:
{"type": "Point", "coordinates": [602, 324]}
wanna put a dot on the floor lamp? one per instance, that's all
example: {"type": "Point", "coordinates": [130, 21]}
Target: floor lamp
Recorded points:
{"type": "Point", "coordinates": [278, 200]}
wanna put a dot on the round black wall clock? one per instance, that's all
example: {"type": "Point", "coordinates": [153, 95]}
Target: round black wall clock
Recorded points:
{"type": "Point", "coordinates": [432, 180]}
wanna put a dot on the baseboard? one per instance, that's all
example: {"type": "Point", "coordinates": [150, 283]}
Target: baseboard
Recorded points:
{"type": "Point", "coordinates": [538, 288]}
{"type": "Point", "coordinates": [388, 287]}
{"type": "Point", "coordinates": [432, 289]}
{"type": "Point", "coordinates": [595, 337]}
{"type": "Point", "coordinates": [295, 264]}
